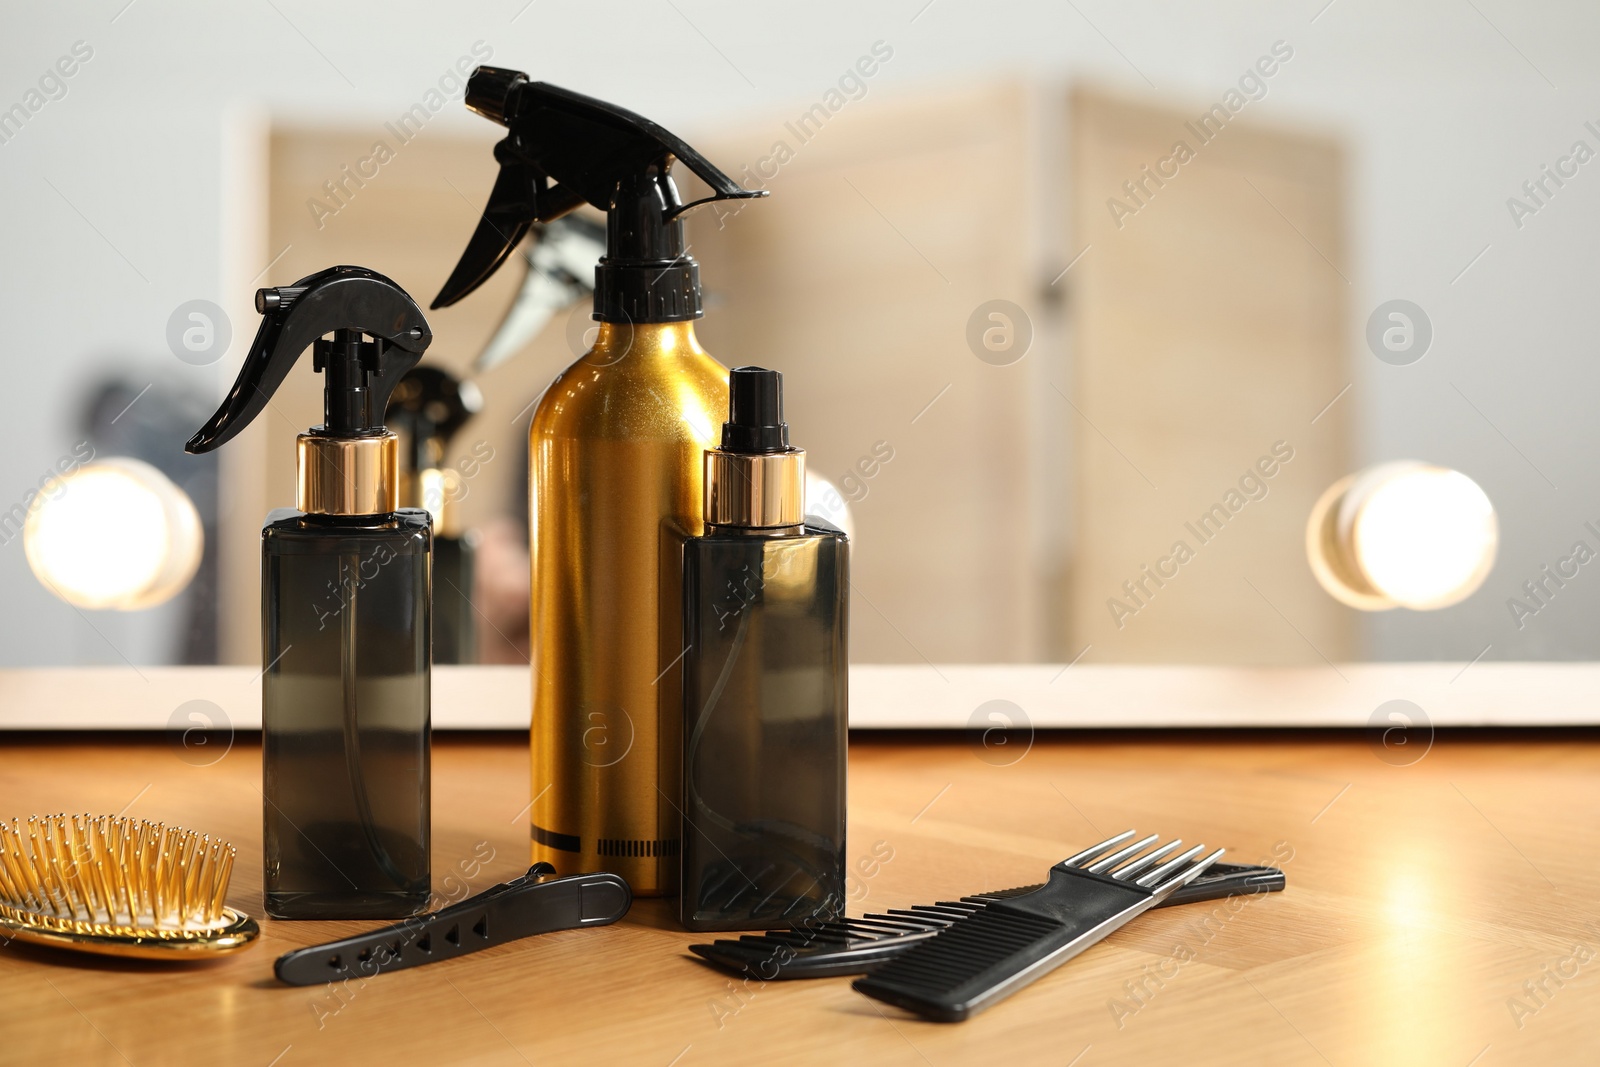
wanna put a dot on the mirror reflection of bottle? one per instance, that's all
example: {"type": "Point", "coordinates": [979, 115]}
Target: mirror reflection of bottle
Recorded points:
{"type": "Point", "coordinates": [428, 408]}
{"type": "Point", "coordinates": [765, 684]}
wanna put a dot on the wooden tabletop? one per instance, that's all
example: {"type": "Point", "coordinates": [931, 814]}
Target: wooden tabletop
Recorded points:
{"type": "Point", "coordinates": [1441, 912]}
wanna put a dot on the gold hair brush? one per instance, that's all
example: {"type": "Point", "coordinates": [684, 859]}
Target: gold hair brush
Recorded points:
{"type": "Point", "coordinates": [118, 887]}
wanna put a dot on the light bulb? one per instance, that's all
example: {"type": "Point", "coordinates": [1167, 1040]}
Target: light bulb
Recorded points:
{"type": "Point", "coordinates": [826, 502]}
{"type": "Point", "coordinates": [114, 534]}
{"type": "Point", "coordinates": [1403, 534]}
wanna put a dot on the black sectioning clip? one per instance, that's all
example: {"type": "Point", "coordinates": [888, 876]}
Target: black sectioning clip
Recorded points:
{"type": "Point", "coordinates": [536, 903]}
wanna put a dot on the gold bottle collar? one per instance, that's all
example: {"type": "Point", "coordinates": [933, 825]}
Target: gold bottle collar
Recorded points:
{"type": "Point", "coordinates": [347, 475]}
{"type": "Point", "coordinates": [755, 489]}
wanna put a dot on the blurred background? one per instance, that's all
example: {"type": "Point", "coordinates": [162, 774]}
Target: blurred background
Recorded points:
{"type": "Point", "coordinates": [1056, 288]}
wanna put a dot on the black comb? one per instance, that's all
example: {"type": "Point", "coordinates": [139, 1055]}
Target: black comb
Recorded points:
{"type": "Point", "coordinates": [976, 963]}
{"type": "Point", "coordinates": [829, 949]}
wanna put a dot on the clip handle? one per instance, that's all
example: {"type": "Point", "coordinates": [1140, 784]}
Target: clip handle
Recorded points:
{"type": "Point", "coordinates": [532, 904]}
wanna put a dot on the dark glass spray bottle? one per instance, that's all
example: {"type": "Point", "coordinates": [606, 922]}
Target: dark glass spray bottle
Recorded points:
{"type": "Point", "coordinates": [766, 596]}
{"type": "Point", "coordinates": [344, 610]}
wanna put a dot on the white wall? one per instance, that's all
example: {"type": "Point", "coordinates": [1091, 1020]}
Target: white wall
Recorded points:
{"type": "Point", "coordinates": [115, 213]}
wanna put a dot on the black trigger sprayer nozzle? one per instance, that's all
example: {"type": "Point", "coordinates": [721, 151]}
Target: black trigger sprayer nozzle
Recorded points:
{"type": "Point", "coordinates": [351, 304]}
{"type": "Point", "coordinates": [565, 150]}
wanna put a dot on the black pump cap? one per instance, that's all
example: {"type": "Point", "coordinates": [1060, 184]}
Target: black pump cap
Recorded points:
{"type": "Point", "coordinates": [351, 303]}
{"type": "Point", "coordinates": [565, 150]}
{"type": "Point", "coordinates": [755, 412]}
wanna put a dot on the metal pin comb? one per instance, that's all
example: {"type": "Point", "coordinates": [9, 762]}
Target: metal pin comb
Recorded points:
{"type": "Point", "coordinates": [974, 964]}
{"type": "Point", "coordinates": [118, 887]}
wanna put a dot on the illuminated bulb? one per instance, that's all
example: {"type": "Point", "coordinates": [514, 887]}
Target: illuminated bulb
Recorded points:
{"type": "Point", "coordinates": [114, 534]}
{"type": "Point", "coordinates": [1402, 535]}
{"type": "Point", "coordinates": [826, 502]}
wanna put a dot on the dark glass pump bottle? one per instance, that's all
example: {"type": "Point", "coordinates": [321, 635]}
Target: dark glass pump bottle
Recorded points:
{"type": "Point", "coordinates": [765, 683]}
{"type": "Point", "coordinates": [345, 600]}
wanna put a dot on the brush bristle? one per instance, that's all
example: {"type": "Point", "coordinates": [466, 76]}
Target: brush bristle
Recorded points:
{"type": "Point", "coordinates": [104, 874]}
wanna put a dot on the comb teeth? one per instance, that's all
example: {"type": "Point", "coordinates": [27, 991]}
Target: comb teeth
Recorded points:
{"type": "Point", "coordinates": [112, 876]}
{"type": "Point", "coordinates": [1015, 940]}
{"type": "Point", "coordinates": [965, 950]}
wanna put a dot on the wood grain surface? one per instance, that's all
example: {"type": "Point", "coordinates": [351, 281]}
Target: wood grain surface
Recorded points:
{"type": "Point", "coordinates": [1441, 912]}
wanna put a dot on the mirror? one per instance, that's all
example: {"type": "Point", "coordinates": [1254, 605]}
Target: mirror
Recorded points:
{"type": "Point", "coordinates": [1081, 322]}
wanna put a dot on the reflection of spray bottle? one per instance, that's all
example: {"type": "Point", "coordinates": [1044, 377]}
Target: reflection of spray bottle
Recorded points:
{"type": "Point", "coordinates": [428, 407]}
{"type": "Point", "coordinates": [617, 446]}
{"type": "Point", "coordinates": [344, 610]}
{"type": "Point", "coordinates": [560, 261]}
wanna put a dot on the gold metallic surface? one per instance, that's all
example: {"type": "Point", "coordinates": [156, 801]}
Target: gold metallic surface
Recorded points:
{"type": "Point", "coordinates": [118, 887]}
{"type": "Point", "coordinates": [616, 451]}
{"type": "Point", "coordinates": [239, 931]}
{"type": "Point", "coordinates": [755, 490]}
{"type": "Point", "coordinates": [347, 475]}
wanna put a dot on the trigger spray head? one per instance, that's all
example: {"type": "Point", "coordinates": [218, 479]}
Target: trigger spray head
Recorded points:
{"type": "Point", "coordinates": [427, 409]}
{"type": "Point", "coordinates": [430, 406]}
{"type": "Point", "coordinates": [365, 333]}
{"type": "Point", "coordinates": [564, 150]}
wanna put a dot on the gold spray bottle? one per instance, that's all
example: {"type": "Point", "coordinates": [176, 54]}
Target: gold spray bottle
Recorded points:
{"type": "Point", "coordinates": [616, 459]}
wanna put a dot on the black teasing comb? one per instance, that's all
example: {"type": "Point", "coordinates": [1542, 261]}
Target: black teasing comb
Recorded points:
{"type": "Point", "coordinates": [976, 963]}
{"type": "Point", "coordinates": [829, 949]}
